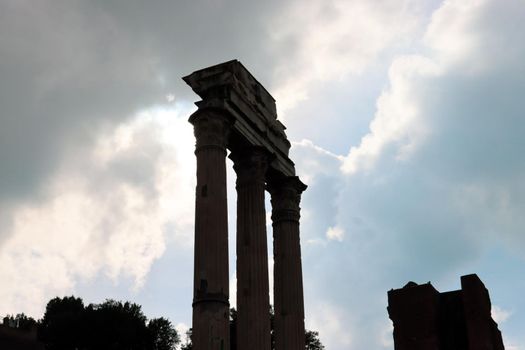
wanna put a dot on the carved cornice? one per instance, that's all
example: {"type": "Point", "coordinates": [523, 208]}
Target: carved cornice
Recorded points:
{"type": "Point", "coordinates": [232, 89]}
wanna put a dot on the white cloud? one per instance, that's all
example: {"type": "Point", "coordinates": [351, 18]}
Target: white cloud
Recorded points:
{"type": "Point", "coordinates": [387, 335]}
{"type": "Point", "coordinates": [314, 161]}
{"type": "Point", "coordinates": [332, 323]}
{"type": "Point", "coordinates": [335, 233]}
{"type": "Point", "coordinates": [319, 169]}
{"type": "Point", "coordinates": [451, 34]}
{"type": "Point", "coordinates": [398, 120]}
{"type": "Point", "coordinates": [105, 213]}
{"type": "Point", "coordinates": [500, 315]}
{"type": "Point", "coordinates": [332, 39]}
{"type": "Point", "coordinates": [182, 328]}
{"type": "Point", "coordinates": [439, 124]}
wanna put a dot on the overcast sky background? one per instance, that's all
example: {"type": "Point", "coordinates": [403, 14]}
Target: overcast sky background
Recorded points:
{"type": "Point", "coordinates": [406, 119]}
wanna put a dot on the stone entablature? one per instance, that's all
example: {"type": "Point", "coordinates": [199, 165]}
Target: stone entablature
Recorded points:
{"type": "Point", "coordinates": [229, 87]}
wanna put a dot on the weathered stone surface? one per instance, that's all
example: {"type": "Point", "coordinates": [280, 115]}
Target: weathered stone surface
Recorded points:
{"type": "Point", "coordinates": [482, 331]}
{"type": "Point", "coordinates": [211, 274]}
{"type": "Point", "coordinates": [288, 280]}
{"type": "Point", "coordinates": [237, 113]}
{"type": "Point", "coordinates": [425, 319]}
{"type": "Point", "coordinates": [231, 88]}
{"type": "Point", "coordinates": [253, 303]}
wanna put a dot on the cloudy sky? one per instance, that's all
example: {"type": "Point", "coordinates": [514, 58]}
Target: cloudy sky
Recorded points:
{"type": "Point", "coordinates": [406, 119]}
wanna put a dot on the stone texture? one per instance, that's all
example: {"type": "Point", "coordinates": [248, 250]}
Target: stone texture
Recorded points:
{"type": "Point", "coordinates": [237, 113]}
{"type": "Point", "coordinates": [211, 274]}
{"type": "Point", "coordinates": [253, 304]}
{"type": "Point", "coordinates": [229, 86]}
{"type": "Point", "coordinates": [425, 319]}
{"type": "Point", "coordinates": [288, 280]}
{"type": "Point", "coordinates": [482, 331]}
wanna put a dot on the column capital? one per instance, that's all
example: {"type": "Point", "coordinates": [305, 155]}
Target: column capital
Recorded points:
{"type": "Point", "coordinates": [250, 165]}
{"type": "Point", "coordinates": [211, 129]}
{"type": "Point", "coordinates": [286, 196]}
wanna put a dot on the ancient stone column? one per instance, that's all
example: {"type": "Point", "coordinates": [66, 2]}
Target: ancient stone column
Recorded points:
{"type": "Point", "coordinates": [253, 303]}
{"type": "Point", "coordinates": [210, 293]}
{"type": "Point", "coordinates": [288, 279]}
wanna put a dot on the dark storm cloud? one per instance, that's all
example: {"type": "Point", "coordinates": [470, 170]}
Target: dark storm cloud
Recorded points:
{"type": "Point", "coordinates": [69, 66]}
{"type": "Point", "coordinates": [63, 73]}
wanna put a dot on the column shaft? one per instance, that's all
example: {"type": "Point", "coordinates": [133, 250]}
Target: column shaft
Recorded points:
{"type": "Point", "coordinates": [288, 279]}
{"type": "Point", "coordinates": [211, 282]}
{"type": "Point", "coordinates": [253, 320]}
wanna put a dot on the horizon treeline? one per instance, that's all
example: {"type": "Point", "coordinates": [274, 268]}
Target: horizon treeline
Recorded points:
{"type": "Point", "coordinates": [68, 324]}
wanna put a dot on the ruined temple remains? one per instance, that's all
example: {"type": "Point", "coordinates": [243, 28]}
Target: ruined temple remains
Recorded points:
{"type": "Point", "coordinates": [425, 319]}
{"type": "Point", "coordinates": [236, 113]}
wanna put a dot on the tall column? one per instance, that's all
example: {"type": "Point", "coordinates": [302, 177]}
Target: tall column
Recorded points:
{"type": "Point", "coordinates": [210, 291]}
{"type": "Point", "coordinates": [288, 279]}
{"type": "Point", "coordinates": [253, 305]}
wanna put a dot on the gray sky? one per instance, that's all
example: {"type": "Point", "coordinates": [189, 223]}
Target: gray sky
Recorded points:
{"type": "Point", "coordinates": [406, 119]}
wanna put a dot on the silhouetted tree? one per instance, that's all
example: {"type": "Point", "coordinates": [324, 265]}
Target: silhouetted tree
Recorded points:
{"type": "Point", "coordinates": [116, 325]}
{"type": "Point", "coordinates": [61, 327]}
{"type": "Point", "coordinates": [164, 336]}
{"type": "Point", "coordinates": [312, 341]}
{"type": "Point", "coordinates": [20, 321]}
{"type": "Point", "coordinates": [111, 325]}
{"type": "Point", "coordinates": [188, 345]}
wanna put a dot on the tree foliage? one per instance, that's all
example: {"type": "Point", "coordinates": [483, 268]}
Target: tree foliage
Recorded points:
{"type": "Point", "coordinates": [312, 341]}
{"type": "Point", "coordinates": [187, 344]}
{"type": "Point", "coordinates": [165, 337]}
{"type": "Point", "coordinates": [20, 321]}
{"type": "Point", "coordinates": [62, 324]}
{"type": "Point", "coordinates": [114, 325]}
